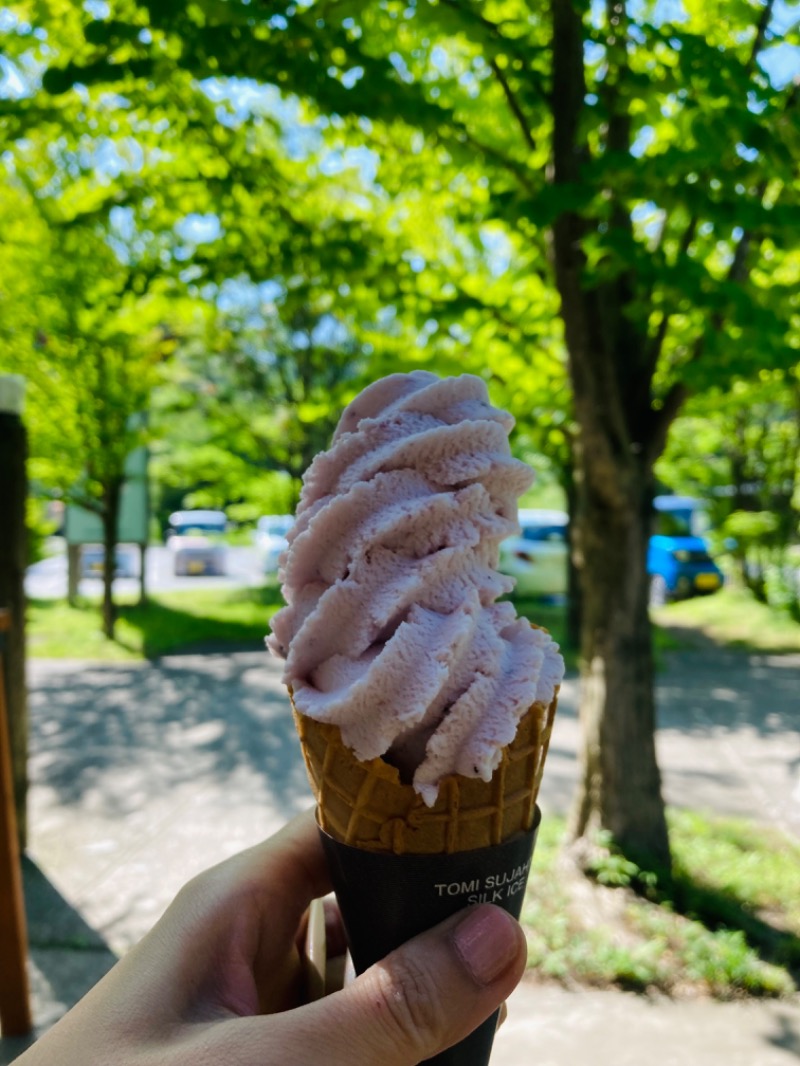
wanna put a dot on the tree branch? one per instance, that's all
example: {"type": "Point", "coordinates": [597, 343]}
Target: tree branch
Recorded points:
{"type": "Point", "coordinates": [619, 122]}
{"type": "Point", "coordinates": [657, 343]}
{"type": "Point", "coordinates": [514, 104]}
{"type": "Point", "coordinates": [462, 9]}
{"type": "Point", "coordinates": [758, 43]}
{"type": "Point", "coordinates": [761, 33]}
{"type": "Point", "coordinates": [517, 169]}
{"type": "Point", "coordinates": [569, 89]}
{"type": "Point", "coordinates": [598, 408]}
{"type": "Point", "coordinates": [74, 498]}
{"type": "Point", "coordinates": [494, 28]}
{"type": "Point", "coordinates": [662, 419]}
{"type": "Point", "coordinates": [495, 312]}
{"type": "Point", "coordinates": [737, 273]}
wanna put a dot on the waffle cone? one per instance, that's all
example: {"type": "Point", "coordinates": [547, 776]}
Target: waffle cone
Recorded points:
{"type": "Point", "coordinates": [365, 804]}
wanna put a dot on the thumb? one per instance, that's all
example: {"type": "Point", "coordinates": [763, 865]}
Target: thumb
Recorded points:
{"type": "Point", "coordinates": [420, 999]}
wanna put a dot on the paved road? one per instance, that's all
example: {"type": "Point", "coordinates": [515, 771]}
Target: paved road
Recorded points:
{"type": "Point", "coordinates": [195, 756]}
{"type": "Point", "coordinates": [144, 773]}
{"type": "Point", "coordinates": [47, 579]}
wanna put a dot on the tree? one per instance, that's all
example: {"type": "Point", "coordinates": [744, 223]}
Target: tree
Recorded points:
{"type": "Point", "coordinates": [90, 349]}
{"type": "Point", "coordinates": [643, 163]}
{"type": "Point", "coordinates": [252, 398]}
{"type": "Point", "coordinates": [740, 450]}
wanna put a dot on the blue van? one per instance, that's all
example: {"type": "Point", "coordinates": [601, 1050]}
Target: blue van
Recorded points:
{"type": "Point", "coordinates": [677, 557]}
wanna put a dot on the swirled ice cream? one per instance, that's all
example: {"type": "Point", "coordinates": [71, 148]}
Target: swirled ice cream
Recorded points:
{"type": "Point", "coordinates": [392, 629]}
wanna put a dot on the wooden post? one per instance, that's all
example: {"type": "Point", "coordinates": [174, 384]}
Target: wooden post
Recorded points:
{"type": "Point", "coordinates": [13, 561]}
{"type": "Point", "coordinates": [15, 1008]}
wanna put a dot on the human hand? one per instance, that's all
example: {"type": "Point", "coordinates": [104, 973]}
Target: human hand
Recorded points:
{"type": "Point", "coordinates": [195, 990]}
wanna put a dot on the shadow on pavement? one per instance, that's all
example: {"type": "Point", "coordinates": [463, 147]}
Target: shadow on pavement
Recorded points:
{"type": "Point", "coordinates": [730, 690]}
{"type": "Point", "coordinates": [114, 733]}
{"type": "Point", "coordinates": [787, 1034]}
{"type": "Point", "coordinates": [143, 774]}
{"type": "Point", "coordinates": [66, 956]}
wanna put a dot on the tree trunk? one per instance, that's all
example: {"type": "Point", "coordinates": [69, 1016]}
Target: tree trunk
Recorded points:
{"type": "Point", "coordinates": [620, 784]}
{"type": "Point", "coordinates": [142, 575]}
{"type": "Point", "coordinates": [574, 558]}
{"type": "Point", "coordinates": [620, 435]}
{"type": "Point", "coordinates": [111, 503]}
{"type": "Point", "coordinates": [73, 573]}
{"type": "Point", "coordinates": [13, 560]}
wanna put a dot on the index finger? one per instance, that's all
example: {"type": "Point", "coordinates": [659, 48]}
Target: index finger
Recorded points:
{"type": "Point", "coordinates": [284, 872]}
{"type": "Point", "coordinates": [243, 915]}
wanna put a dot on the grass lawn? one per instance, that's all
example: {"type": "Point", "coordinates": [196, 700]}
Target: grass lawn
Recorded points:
{"type": "Point", "coordinates": [726, 923]}
{"type": "Point", "coordinates": [169, 622]}
{"type": "Point", "coordinates": [178, 620]}
{"type": "Point", "coordinates": [732, 617]}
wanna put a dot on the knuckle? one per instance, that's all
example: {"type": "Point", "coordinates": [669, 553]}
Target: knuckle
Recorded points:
{"type": "Point", "coordinates": [191, 902]}
{"type": "Point", "coordinates": [190, 893]}
{"type": "Point", "coordinates": [410, 1003]}
{"type": "Point", "coordinates": [201, 894]}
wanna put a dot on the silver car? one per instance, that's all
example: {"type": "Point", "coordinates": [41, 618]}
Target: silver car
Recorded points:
{"type": "Point", "coordinates": [197, 556]}
{"type": "Point", "coordinates": [191, 538]}
{"type": "Point", "coordinates": [537, 557]}
{"type": "Point", "coordinates": [270, 539]}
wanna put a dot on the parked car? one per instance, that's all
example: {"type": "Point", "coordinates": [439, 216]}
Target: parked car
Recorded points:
{"type": "Point", "coordinates": [197, 556]}
{"type": "Point", "coordinates": [199, 522]}
{"type": "Point", "coordinates": [93, 558]}
{"type": "Point", "coordinates": [193, 539]}
{"type": "Point", "coordinates": [270, 539]}
{"type": "Point", "coordinates": [537, 557]}
{"type": "Point", "coordinates": [678, 561]}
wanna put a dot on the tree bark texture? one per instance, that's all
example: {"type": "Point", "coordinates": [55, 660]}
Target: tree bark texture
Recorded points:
{"type": "Point", "coordinates": [619, 437]}
{"type": "Point", "coordinates": [73, 573]}
{"type": "Point", "coordinates": [620, 784]}
{"type": "Point", "coordinates": [13, 559]}
{"type": "Point", "coordinates": [574, 565]}
{"type": "Point", "coordinates": [142, 575]}
{"type": "Point", "coordinates": [111, 504]}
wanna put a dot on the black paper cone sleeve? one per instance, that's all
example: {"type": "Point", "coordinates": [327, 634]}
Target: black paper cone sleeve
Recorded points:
{"type": "Point", "coordinates": [386, 900]}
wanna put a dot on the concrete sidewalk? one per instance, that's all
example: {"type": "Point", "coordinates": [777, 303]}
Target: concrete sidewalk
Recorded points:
{"type": "Point", "coordinates": [549, 1026]}
{"type": "Point", "coordinates": [145, 773]}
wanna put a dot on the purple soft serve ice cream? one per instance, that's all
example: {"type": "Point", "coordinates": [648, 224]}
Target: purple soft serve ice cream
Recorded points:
{"type": "Point", "coordinates": [392, 629]}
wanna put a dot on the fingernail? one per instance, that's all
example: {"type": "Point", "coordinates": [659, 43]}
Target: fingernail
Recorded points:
{"type": "Point", "coordinates": [487, 942]}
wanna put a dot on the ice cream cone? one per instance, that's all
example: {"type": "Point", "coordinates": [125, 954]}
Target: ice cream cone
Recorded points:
{"type": "Point", "coordinates": [386, 899]}
{"type": "Point", "coordinates": [393, 612]}
{"type": "Point", "coordinates": [365, 804]}
{"type": "Point", "coordinates": [399, 867]}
